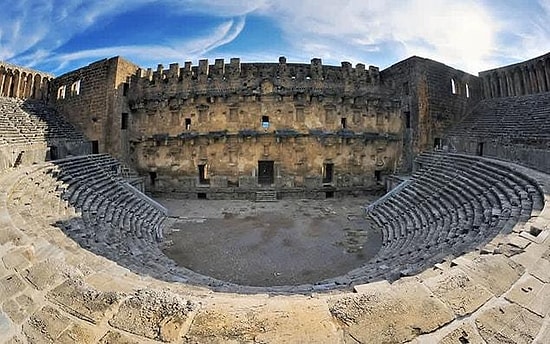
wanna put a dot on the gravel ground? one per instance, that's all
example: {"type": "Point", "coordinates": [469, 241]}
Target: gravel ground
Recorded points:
{"type": "Point", "coordinates": [287, 242]}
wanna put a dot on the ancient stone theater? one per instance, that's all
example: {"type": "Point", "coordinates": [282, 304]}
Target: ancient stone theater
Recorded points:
{"type": "Point", "coordinates": [277, 202]}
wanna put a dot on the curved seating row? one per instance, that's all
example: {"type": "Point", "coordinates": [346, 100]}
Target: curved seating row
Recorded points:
{"type": "Point", "coordinates": [519, 118]}
{"type": "Point", "coordinates": [31, 121]}
{"type": "Point", "coordinates": [452, 204]}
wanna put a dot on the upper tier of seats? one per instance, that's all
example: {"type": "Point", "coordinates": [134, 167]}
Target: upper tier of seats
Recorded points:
{"type": "Point", "coordinates": [512, 119]}
{"type": "Point", "coordinates": [31, 121]}
{"type": "Point", "coordinates": [451, 205]}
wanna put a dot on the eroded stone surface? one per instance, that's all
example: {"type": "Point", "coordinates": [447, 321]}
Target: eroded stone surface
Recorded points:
{"type": "Point", "coordinates": [495, 272]}
{"type": "Point", "coordinates": [18, 259]}
{"type": "Point", "coordinates": [46, 274]}
{"type": "Point", "coordinates": [114, 337]}
{"type": "Point", "coordinates": [397, 314]}
{"type": "Point", "coordinates": [83, 301]}
{"type": "Point", "coordinates": [264, 320]}
{"type": "Point", "coordinates": [465, 334]}
{"type": "Point", "coordinates": [508, 323]}
{"type": "Point", "coordinates": [77, 333]}
{"type": "Point", "coordinates": [531, 293]}
{"type": "Point", "coordinates": [45, 326]}
{"type": "Point", "coordinates": [10, 286]}
{"type": "Point", "coordinates": [154, 314]}
{"type": "Point", "coordinates": [19, 308]}
{"type": "Point", "coordinates": [459, 291]}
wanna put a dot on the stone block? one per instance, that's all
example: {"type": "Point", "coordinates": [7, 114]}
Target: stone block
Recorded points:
{"type": "Point", "coordinates": [541, 270]}
{"type": "Point", "coordinates": [264, 319]}
{"type": "Point", "coordinates": [83, 301]}
{"type": "Point", "coordinates": [494, 272]}
{"type": "Point", "coordinates": [532, 294]}
{"type": "Point", "coordinates": [113, 337]}
{"type": "Point", "coordinates": [77, 333]}
{"type": "Point", "coordinates": [508, 323]}
{"type": "Point", "coordinates": [390, 315]}
{"type": "Point", "coordinates": [19, 308]}
{"type": "Point", "coordinates": [45, 274]}
{"type": "Point", "coordinates": [463, 334]}
{"type": "Point", "coordinates": [158, 315]}
{"type": "Point", "coordinates": [17, 260]}
{"type": "Point", "coordinates": [10, 286]}
{"type": "Point", "coordinates": [5, 326]}
{"type": "Point", "coordinates": [45, 326]}
{"type": "Point", "coordinates": [459, 291]}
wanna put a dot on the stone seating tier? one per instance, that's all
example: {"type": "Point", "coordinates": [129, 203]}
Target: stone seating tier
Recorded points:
{"type": "Point", "coordinates": [520, 118]}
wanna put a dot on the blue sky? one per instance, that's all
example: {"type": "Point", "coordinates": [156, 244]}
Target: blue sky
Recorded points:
{"type": "Point", "coordinates": [57, 36]}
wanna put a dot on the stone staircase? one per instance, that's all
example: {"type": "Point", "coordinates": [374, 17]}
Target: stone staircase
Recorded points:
{"type": "Point", "coordinates": [266, 196]}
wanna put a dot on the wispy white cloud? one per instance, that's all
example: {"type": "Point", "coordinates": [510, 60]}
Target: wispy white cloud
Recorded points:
{"type": "Point", "coordinates": [469, 34]}
{"type": "Point", "coordinates": [151, 54]}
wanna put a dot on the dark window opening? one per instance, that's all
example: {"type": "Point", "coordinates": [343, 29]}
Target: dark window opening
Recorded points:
{"type": "Point", "coordinates": [407, 119]}
{"type": "Point", "coordinates": [203, 172]}
{"type": "Point", "coordinates": [343, 122]}
{"type": "Point", "coordinates": [329, 194]}
{"type": "Point", "coordinates": [480, 149]}
{"type": "Point", "coordinates": [153, 178]}
{"type": "Point", "coordinates": [266, 172]}
{"type": "Point", "coordinates": [95, 147]}
{"type": "Point", "coordinates": [328, 173]}
{"type": "Point", "coordinates": [54, 155]}
{"type": "Point", "coordinates": [125, 88]}
{"type": "Point", "coordinates": [378, 176]}
{"type": "Point", "coordinates": [201, 195]}
{"type": "Point", "coordinates": [437, 143]}
{"type": "Point", "coordinates": [265, 121]}
{"type": "Point", "coordinates": [188, 124]}
{"type": "Point", "coordinates": [124, 121]}
{"type": "Point", "coordinates": [453, 86]}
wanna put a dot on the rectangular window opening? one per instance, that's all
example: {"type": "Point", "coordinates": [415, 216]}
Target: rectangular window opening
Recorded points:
{"type": "Point", "coordinates": [201, 195]}
{"type": "Point", "coordinates": [188, 124]}
{"type": "Point", "coordinates": [95, 147]}
{"type": "Point", "coordinates": [343, 122]}
{"type": "Point", "coordinates": [203, 174]}
{"type": "Point", "coordinates": [328, 172]}
{"type": "Point", "coordinates": [153, 178]}
{"type": "Point", "coordinates": [329, 194]}
{"type": "Point", "coordinates": [378, 176]}
{"type": "Point", "coordinates": [480, 149]}
{"type": "Point", "coordinates": [124, 121]}
{"type": "Point", "coordinates": [407, 119]}
{"type": "Point", "coordinates": [265, 122]}
{"type": "Point", "coordinates": [125, 88]}
{"type": "Point", "coordinates": [437, 143]}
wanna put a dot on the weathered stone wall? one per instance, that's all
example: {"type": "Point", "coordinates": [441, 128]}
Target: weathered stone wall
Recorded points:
{"type": "Point", "coordinates": [23, 83]}
{"type": "Point", "coordinates": [433, 96]}
{"type": "Point", "coordinates": [25, 155]}
{"type": "Point", "coordinates": [92, 98]}
{"type": "Point", "coordinates": [529, 77]}
{"type": "Point", "coordinates": [230, 116]}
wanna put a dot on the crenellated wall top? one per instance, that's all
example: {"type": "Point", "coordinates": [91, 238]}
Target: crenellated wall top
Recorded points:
{"type": "Point", "coordinates": [261, 77]}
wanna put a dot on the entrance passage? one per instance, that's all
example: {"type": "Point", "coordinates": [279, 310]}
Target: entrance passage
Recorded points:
{"type": "Point", "coordinates": [266, 172]}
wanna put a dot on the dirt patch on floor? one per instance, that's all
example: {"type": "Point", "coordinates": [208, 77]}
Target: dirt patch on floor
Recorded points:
{"type": "Point", "coordinates": [268, 244]}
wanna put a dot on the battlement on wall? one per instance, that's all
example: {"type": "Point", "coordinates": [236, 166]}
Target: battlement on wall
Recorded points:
{"type": "Point", "coordinates": [263, 77]}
